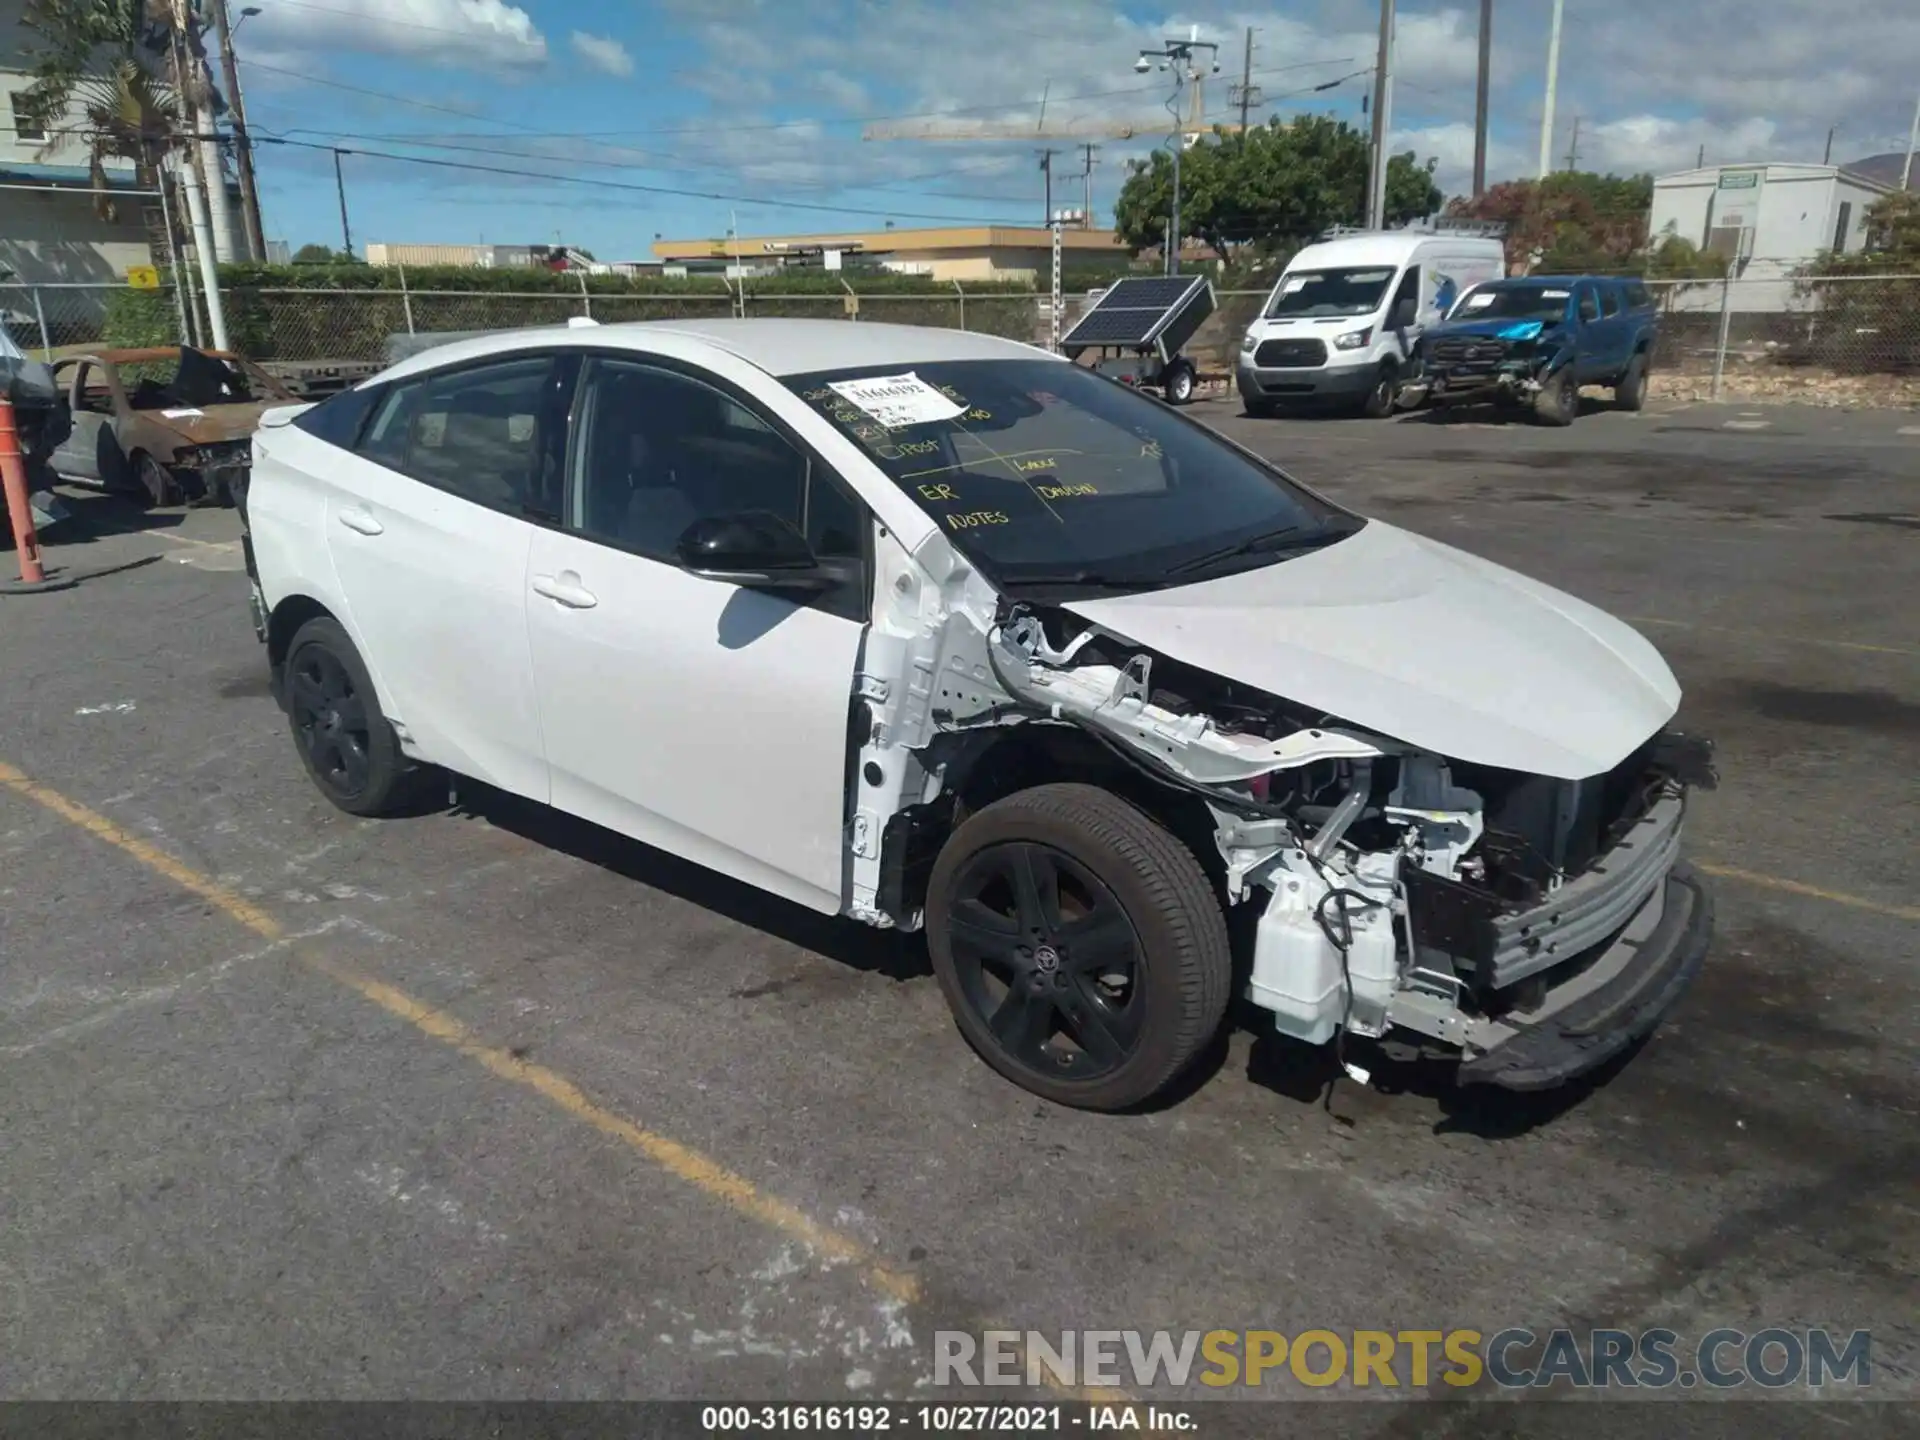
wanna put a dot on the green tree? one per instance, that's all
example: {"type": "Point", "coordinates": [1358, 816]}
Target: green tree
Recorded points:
{"type": "Point", "coordinates": [315, 255]}
{"type": "Point", "coordinates": [1863, 306]}
{"type": "Point", "coordinates": [1274, 187]}
{"type": "Point", "coordinates": [1571, 221]}
{"type": "Point", "coordinates": [108, 59]}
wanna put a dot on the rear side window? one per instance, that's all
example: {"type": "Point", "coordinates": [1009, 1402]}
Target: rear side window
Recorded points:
{"type": "Point", "coordinates": [474, 433]}
{"type": "Point", "coordinates": [1638, 296]}
{"type": "Point", "coordinates": [339, 419]}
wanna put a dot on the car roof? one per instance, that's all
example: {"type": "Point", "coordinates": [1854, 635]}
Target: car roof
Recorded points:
{"type": "Point", "coordinates": [1393, 247]}
{"type": "Point", "coordinates": [777, 346]}
{"type": "Point", "coordinates": [1557, 282]}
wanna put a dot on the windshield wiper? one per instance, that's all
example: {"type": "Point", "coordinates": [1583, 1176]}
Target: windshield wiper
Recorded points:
{"type": "Point", "coordinates": [1091, 579]}
{"type": "Point", "coordinates": [1269, 541]}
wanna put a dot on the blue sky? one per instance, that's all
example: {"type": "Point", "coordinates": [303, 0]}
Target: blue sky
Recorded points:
{"type": "Point", "coordinates": [759, 104]}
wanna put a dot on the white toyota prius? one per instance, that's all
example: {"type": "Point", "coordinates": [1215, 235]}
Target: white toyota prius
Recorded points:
{"type": "Point", "coordinates": [932, 629]}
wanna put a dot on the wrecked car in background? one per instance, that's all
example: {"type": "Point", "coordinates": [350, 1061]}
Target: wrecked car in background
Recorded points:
{"type": "Point", "coordinates": [1534, 342]}
{"type": "Point", "coordinates": [932, 629]}
{"type": "Point", "coordinates": [166, 424]}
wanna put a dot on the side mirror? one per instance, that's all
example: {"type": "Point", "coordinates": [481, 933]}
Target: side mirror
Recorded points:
{"type": "Point", "coordinates": [1406, 314]}
{"type": "Point", "coordinates": [754, 548]}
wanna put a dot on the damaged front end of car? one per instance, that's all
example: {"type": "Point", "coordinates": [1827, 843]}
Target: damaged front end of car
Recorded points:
{"type": "Point", "coordinates": [1528, 926]}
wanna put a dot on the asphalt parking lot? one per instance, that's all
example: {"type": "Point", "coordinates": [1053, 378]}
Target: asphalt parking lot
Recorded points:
{"type": "Point", "coordinates": [486, 1103]}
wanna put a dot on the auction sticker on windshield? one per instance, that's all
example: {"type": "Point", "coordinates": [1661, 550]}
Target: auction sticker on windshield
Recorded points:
{"type": "Point", "coordinates": [897, 401]}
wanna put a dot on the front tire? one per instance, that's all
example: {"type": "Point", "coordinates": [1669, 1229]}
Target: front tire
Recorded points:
{"type": "Point", "coordinates": [153, 486]}
{"type": "Point", "coordinates": [1379, 401]}
{"type": "Point", "coordinates": [1558, 401]}
{"type": "Point", "coordinates": [343, 737]}
{"type": "Point", "coordinates": [1079, 945]}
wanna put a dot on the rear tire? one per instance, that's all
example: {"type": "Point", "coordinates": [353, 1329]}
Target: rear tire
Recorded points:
{"type": "Point", "coordinates": [1631, 392]}
{"type": "Point", "coordinates": [1179, 383]}
{"type": "Point", "coordinates": [1558, 401]}
{"type": "Point", "coordinates": [343, 736]}
{"type": "Point", "coordinates": [1259, 409]}
{"type": "Point", "coordinates": [1079, 945]}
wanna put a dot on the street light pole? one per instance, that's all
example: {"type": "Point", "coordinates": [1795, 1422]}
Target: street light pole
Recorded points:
{"type": "Point", "coordinates": [1178, 55]}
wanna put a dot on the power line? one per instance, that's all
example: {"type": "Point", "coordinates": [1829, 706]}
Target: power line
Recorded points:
{"type": "Point", "coordinates": [708, 127]}
{"type": "Point", "coordinates": [777, 202]}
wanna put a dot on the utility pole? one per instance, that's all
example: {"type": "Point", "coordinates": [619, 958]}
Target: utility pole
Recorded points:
{"type": "Point", "coordinates": [1700, 161]}
{"type": "Point", "coordinates": [1046, 169]}
{"type": "Point", "coordinates": [1086, 174]}
{"type": "Point", "coordinates": [1553, 85]}
{"type": "Point", "coordinates": [1382, 110]}
{"type": "Point", "coordinates": [1249, 92]}
{"type": "Point", "coordinates": [1913, 141]}
{"type": "Point", "coordinates": [242, 139]}
{"type": "Point", "coordinates": [1177, 55]}
{"type": "Point", "coordinates": [1828, 158]}
{"type": "Point", "coordinates": [1573, 146]}
{"type": "Point", "coordinates": [1480, 100]}
{"type": "Point", "coordinates": [196, 150]}
{"type": "Point", "coordinates": [340, 184]}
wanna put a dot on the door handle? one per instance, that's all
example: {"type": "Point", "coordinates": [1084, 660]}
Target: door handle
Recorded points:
{"type": "Point", "coordinates": [565, 589]}
{"type": "Point", "coordinates": [361, 522]}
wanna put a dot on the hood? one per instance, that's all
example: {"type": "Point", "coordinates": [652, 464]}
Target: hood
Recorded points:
{"type": "Point", "coordinates": [209, 424]}
{"type": "Point", "coordinates": [1421, 642]}
{"type": "Point", "coordinates": [1500, 329]}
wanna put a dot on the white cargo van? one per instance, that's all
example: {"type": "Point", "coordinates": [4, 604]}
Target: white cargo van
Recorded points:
{"type": "Point", "coordinates": [1345, 314]}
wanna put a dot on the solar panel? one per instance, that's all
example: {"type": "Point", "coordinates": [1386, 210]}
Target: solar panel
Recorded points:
{"type": "Point", "coordinates": [1137, 312]}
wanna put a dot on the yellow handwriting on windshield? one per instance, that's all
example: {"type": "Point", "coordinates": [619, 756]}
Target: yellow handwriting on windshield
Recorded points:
{"type": "Point", "coordinates": [975, 517]}
{"type": "Point", "coordinates": [1065, 492]}
{"type": "Point", "coordinates": [936, 492]}
{"type": "Point", "coordinates": [1028, 467]}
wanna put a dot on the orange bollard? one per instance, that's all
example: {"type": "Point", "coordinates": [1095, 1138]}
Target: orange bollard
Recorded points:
{"type": "Point", "coordinates": [13, 470]}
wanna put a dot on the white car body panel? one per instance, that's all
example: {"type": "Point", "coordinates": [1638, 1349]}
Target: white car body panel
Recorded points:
{"type": "Point", "coordinates": [438, 596]}
{"type": "Point", "coordinates": [713, 720]}
{"type": "Point", "coordinates": [1422, 642]}
{"type": "Point", "coordinates": [697, 716]}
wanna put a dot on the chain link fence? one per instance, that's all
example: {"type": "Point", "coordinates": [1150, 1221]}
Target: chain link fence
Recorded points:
{"type": "Point", "coordinates": [1852, 339]}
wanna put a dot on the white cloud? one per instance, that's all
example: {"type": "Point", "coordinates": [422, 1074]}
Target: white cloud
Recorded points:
{"type": "Point", "coordinates": [602, 53]}
{"type": "Point", "coordinates": [462, 34]}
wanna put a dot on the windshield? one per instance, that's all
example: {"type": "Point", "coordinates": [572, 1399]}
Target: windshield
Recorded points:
{"type": "Point", "coordinates": [1346, 291]}
{"type": "Point", "coordinates": [1512, 302]}
{"type": "Point", "coordinates": [191, 378]}
{"type": "Point", "coordinates": [1046, 474]}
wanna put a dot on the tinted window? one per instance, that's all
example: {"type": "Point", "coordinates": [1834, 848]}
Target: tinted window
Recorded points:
{"type": "Point", "coordinates": [475, 433]}
{"type": "Point", "coordinates": [1589, 308]}
{"type": "Point", "coordinates": [1044, 473]}
{"type": "Point", "coordinates": [658, 450]}
{"type": "Point", "coordinates": [1346, 290]}
{"type": "Point", "coordinates": [1638, 296]}
{"type": "Point", "coordinates": [338, 419]}
{"type": "Point", "coordinates": [1609, 300]}
{"type": "Point", "coordinates": [1513, 302]}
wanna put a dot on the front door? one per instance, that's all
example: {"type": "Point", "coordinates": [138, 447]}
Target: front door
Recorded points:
{"type": "Point", "coordinates": [428, 530]}
{"type": "Point", "coordinates": [90, 453]}
{"type": "Point", "coordinates": [1590, 342]}
{"type": "Point", "coordinates": [689, 713]}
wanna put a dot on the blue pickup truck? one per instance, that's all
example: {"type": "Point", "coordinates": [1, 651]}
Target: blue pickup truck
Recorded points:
{"type": "Point", "coordinates": [1534, 342]}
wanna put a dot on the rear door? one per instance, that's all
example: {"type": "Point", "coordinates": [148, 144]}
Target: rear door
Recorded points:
{"type": "Point", "coordinates": [429, 521]}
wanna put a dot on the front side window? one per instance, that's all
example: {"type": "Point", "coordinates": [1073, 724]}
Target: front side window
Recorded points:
{"type": "Point", "coordinates": [1610, 301]}
{"type": "Point", "coordinates": [1045, 474]}
{"type": "Point", "coordinates": [659, 450]}
{"type": "Point", "coordinates": [475, 433]}
{"type": "Point", "coordinates": [1345, 290]}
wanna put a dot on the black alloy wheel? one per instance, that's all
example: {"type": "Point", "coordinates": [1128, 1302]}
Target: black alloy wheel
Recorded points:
{"type": "Point", "coordinates": [331, 722]}
{"type": "Point", "coordinates": [1048, 959]}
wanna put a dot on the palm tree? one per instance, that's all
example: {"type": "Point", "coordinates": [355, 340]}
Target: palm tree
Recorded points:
{"type": "Point", "coordinates": [110, 59]}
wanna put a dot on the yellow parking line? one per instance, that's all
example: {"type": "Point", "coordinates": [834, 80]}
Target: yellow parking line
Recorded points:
{"type": "Point", "coordinates": [1812, 892]}
{"type": "Point", "coordinates": [1768, 635]}
{"type": "Point", "coordinates": [681, 1161]}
